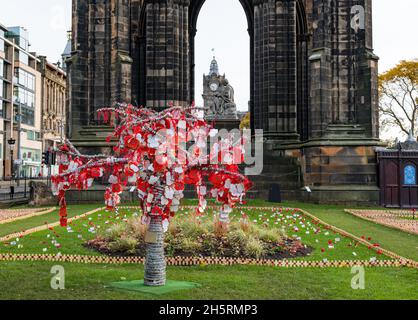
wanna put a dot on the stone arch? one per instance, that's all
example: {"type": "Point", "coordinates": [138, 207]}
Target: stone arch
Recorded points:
{"type": "Point", "coordinates": [194, 11]}
{"type": "Point", "coordinates": [278, 59]}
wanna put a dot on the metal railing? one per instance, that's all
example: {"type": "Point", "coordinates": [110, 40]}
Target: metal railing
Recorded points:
{"type": "Point", "coordinates": [19, 188]}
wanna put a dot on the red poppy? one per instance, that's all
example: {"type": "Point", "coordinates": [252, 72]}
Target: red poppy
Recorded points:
{"type": "Point", "coordinates": [157, 211]}
{"type": "Point", "coordinates": [95, 172]}
{"type": "Point", "coordinates": [131, 142]}
{"type": "Point", "coordinates": [116, 188]}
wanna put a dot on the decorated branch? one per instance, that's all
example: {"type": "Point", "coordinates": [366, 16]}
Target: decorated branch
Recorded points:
{"type": "Point", "coordinates": [156, 155]}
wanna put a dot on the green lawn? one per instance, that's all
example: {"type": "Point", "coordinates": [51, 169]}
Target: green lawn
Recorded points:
{"type": "Point", "coordinates": [25, 280]}
{"type": "Point", "coordinates": [326, 244]}
{"type": "Point", "coordinates": [30, 280]}
{"type": "Point", "coordinates": [36, 221]}
{"type": "Point", "coordinates": [402, 243]}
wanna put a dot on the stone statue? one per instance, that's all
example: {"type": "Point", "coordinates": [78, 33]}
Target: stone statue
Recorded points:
{"type": "Point", "coordinates": [222, 103]}
{"type": "Point", "coordinates": [228, 105]}
{"type": "Point", "coordinates": [218, 95]}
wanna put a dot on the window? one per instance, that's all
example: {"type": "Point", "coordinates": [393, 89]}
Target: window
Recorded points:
{"type": "Point", "coordinates": [1, 89]}
{"type": "Point", "coordinates": [23, 57]}
{"type": "Point", "coordinates": [26, 115]}
{"type": "Point", "coordinates": [32, 135]}
{"type": "Point", "coordinates": [2, 68]}
{"type": "Point", "coordinates": [32, 155]}
{"type": "Point", "coordinates": [25, 79]}
{"type": "Point", "coordinates": [1, 108]}
{"type": "Point", "coordinates": [24, 97]}
{"type": "Point", "coordinates": [410, 176]}
{"type": "Point", "coordinates": [1, 40]}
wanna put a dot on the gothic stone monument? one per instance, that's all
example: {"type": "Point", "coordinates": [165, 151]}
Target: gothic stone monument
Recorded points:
{"type": "Point", "coordinates": [218, 99]}
{"type": "Point", "coordinates": [313, 82]}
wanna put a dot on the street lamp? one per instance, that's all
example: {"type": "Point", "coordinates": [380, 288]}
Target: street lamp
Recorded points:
{"type": "Point", "coordinates": [11, 143]}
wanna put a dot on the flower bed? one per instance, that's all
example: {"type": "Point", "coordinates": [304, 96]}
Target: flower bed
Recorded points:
{"type": "Point", "coordinates": [398, 219]}
{"type": "Point", "coordinates": [9, 215]}
{"type": "Point", "coordinates": [194, 236]}
{"type": "Point", "coordinates": [327, 244]}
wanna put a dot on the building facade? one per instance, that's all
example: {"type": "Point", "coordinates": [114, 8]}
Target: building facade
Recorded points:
{"type": "Point", "coordinates": [21, 105]}
{"type": "Point", "coordinates": [54, 99]}
{"type": "Point", "coordinates": [32, 104]}
{"type": "Point", "coordinates": [313, 82]}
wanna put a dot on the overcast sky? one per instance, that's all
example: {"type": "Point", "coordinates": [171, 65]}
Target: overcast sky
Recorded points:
{"type": "Point", "coordinates": [222, 25]}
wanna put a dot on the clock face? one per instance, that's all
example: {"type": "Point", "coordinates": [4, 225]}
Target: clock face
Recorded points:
{"type": "Point", "coordinates": [213, 86]}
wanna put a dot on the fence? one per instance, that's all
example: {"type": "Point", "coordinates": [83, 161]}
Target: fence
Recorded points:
{"type": "Point", "coordinates": [18, 188]}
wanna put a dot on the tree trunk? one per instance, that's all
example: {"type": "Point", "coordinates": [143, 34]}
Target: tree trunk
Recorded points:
{"type": "Point", "coordinates": [155, 264]}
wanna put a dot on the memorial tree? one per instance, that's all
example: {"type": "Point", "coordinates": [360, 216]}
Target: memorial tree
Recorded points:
{"type": "Point", "coordinates": [156, 155]}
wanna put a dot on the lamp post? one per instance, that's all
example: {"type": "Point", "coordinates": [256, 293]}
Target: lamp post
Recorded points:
{"type": "Point", "coordinates": [61, 127]}
{"type": "Point", "coordinates": [11, 143]}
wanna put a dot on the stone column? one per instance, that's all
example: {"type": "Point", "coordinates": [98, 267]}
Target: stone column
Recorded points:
{"type": "Point", "coordinates": [275, 69]}
{"type": "Point", "coordinates": [167, 58]}
{"type": "Point", "coordinates": [343, 68]}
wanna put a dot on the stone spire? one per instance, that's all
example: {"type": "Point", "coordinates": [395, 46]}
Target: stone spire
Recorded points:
{"type": "Point", "coordinates": [214, 68]}
{"type": "Point", "coordinates": [67, 51]}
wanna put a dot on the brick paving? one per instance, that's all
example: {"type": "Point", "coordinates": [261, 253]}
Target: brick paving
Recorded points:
{"type": "Point", "coordinates": [398, 219]}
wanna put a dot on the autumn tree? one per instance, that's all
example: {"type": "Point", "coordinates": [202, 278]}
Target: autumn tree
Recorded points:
{"type": "Point", "coordinates": [245, 122]}
{"type": "Point", "coordinates": [398, 105]}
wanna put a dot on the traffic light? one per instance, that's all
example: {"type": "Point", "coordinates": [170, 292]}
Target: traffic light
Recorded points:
{"type": "Point", "coordinates": [45, 158]}
{"type": "Point", "coordinates": [53, 158]}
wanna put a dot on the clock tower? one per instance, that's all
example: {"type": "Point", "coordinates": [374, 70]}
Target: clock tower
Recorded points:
{"type": "Point", "coordinates": [218, 95]}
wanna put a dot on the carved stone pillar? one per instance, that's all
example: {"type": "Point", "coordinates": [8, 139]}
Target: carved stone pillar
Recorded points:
{"type": "Point", "coordinates": [167, 59]}
{"type": "Point", "coordinates": [343, 69]}
{"type": "Point", "coordinates": [275, 69]}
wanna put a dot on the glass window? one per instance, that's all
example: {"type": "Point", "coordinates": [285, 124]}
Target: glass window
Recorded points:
{"type": "Point", "coordinates": [31, 135]}
{"type": "Point", "coordinates": [31, 100]}
{"type": "Point", "coordinates": [26, 115]}
{"type": "Point", "coordinates": [31, 82]}
{"type": "Point", "coordinates": [1, 108]}
{"type": "Point", "coordinates": [2, 68]}
{"type": "Point", "coordinates": [25, 79]}
{"type": "Point", "coordinates": [23, 57]}
{"type": "Point", "coordinates": [31, 154]}
{"type": "Point", "coordinates": [410, 177]}
{"type": "Point", "coordinates": [1, 40]}
{"type": "Point", "coordinates": [1, 88]}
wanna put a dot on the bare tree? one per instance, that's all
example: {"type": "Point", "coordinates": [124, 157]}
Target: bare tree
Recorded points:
{"type": "Point", "coordinates": [398, 89]}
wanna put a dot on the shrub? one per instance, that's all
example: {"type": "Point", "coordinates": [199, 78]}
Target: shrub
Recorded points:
{"type": "Point", "coordinates": [114, 232]}
{"type": "Point", "coordinates": [239, 237]}
{"type": "Point", "coordinates": [271, 235]}
{"type": "Point", "coordinates": [135, 228]}
{"type": "Point", "coordinates": [190, 246]}
{"type": "Point", "coordinates": [124, 244]}
{"type": "Point", "coordinates": [193, 236]}
{"type": "Point", "coordinates": [255, 248]}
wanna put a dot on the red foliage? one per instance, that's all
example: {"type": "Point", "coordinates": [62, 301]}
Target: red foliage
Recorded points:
{"type": "Point", "coordinates": [152, 159]}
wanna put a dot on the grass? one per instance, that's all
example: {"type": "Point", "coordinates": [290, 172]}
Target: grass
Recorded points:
{"type": "Point", "coordinates": [404, 244]}
{"type": "Point", "coordinates": [294, 224]}
{"type": "Point", "coordinates": [31, 280]}
{"type": "Point", "coordinates": [26, 280]}
{"type": "Point", "coordinates": [18, 226]}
